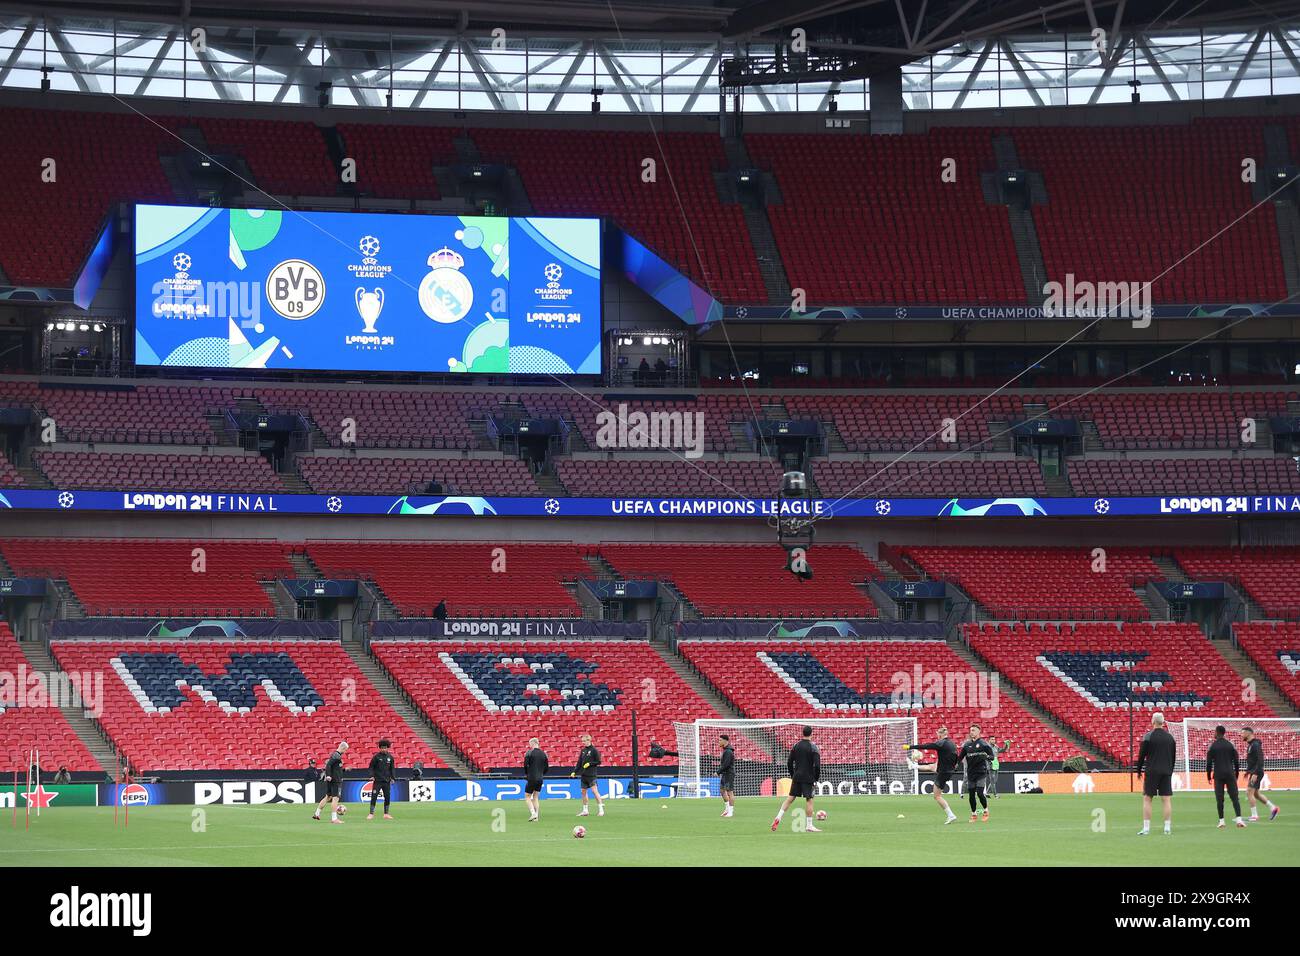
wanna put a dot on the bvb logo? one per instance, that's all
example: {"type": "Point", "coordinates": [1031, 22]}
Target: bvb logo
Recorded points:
{"type": "Point", "coordinates": [295, 289]}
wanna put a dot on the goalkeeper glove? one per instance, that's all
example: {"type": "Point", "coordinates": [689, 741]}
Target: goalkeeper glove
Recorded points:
{"type": "Point", "coordinates": [585, 766]}
{"type": "Point", "coordinates": [574, 774]}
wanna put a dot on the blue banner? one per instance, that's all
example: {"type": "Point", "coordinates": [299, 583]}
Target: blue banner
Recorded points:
{"type": "Point", "coordinates": [28, 499]}
{"type": "Point", "coordinates": [462, 628]}
{"type": "Point", "coordinates": [563, 788]}
{"type": "Point", "coordinates": [259, 628]}
{"type": "Point", "coordinates": [861, 629]}
{"type": "Point", "coordinates": [991, 312]}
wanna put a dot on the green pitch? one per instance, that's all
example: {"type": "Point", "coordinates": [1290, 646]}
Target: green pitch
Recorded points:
{"type": "Point", "coordinates": [1037, 830]}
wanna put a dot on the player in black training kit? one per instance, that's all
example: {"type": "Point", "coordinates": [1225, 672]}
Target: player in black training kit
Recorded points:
{"type": "Point", "coordinates": [946, 760]}
{"type": "Point", "coordinates": [1221, 769]}
{"type": "Point", "coordinates": [1156, 758]}
{"type": "Point", "coordinates": [535, 767]}
{"type": "Point", "coordinates": [976, 753]}
{"type": "Point", "coordinates": [1255, 775]}
{"type": "Point", "coordinates": [383, 770]}
{"type": "Point", "coordinates": [588, 761]}
{"type": "Point", "coordinates": [333, 783]}
{"type": "Point", "coordinates": [805, 768]}
{"type": "Point", "coordinates": [727, 777]}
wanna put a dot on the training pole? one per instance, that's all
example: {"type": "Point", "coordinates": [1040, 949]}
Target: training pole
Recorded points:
{"type": "Point", "coordinates": [15, 820]}
{"type": "Point", "coordinates": [126, 809]}
{"type": "Point", "coordinates": [28, 812]}
{"type": "Point", "coordinates": [38, 780]}
{"type": "Point", "coordinates": [117, 790]}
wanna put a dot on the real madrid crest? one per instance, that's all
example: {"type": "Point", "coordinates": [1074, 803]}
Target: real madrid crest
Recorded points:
{"type": "Point", "coordinates": [445, 293]}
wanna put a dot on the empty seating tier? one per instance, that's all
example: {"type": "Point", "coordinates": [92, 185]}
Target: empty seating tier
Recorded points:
{"type": "Point", "coordinates": [828, 678]}
{"type": "Point", "coordinates": [1269, 575]}
{"type": "Point", "coordinates": [1087, 674]}
{"type": "Point", "coordinates": [372, 475]}
{"type": "Point", "coordinates": [751, 580]}
{"type": "Point", "coordinates": [495, 580]}
{"type": "Point", "coordinates": [140, 576]}
{"type": "Point", "coordinates": [247, 474]}
{"type": "Point", "coordinates": [24, 728]}
{"type": "Point", "coordinates": [488, 699]}
{"type": "Point", "coordinates": [1274, 646]}
{"type": "Point", "coordinates": [677, 213]}
{"type": "Point", "coordinates": [238, 705]}
{"type": "Point", "coordinates": [1045, 583]}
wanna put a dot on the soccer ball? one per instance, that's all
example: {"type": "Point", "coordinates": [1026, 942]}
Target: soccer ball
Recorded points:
{"type": "Point", "coordinates": [579, 832]}
{"type": "Point", "coordinates": [343, 808]}
{"type": "Point", "coordinates": [821, 815]}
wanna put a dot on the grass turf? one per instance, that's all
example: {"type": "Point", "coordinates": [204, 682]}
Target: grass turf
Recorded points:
{"type": "Point", "coordinates": [1037, 830]}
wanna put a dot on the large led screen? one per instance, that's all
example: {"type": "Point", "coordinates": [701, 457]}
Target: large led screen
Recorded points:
{"type": "Point", "coordinates": [381, 292]}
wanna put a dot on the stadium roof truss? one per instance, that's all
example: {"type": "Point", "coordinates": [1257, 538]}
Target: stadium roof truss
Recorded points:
{"type": "Point", "coordinates": [459, 71]}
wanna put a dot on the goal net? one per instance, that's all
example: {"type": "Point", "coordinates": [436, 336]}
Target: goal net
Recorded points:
{"type": "Point", "coordinates": [1280, 737]}
{"type": "Point", "coordinates": [858, 756]}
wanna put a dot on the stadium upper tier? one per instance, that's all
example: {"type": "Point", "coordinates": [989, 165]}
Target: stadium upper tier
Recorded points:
{"type": "Point", "coordinates": [401, 440]}
{"type": "Point", "coordinates": [857, 219]}
{"type": "Point", "coordinates": [234, 578]}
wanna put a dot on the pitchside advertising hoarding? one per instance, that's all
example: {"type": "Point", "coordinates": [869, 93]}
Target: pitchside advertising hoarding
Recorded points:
{"type": "Point", "coordinates": [253, 793]}
{"type": "Point", "coordinates": [366, 292]}
{"type": "Point", "coordinates": [145, 502]}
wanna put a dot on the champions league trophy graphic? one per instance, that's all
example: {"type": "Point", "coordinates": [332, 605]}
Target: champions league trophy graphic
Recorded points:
{"type": "Point", "coordinates": [369, 305]}
{"type": "Point", "coordinates": [445, 293]}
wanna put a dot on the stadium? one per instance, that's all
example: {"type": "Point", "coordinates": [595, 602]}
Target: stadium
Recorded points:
{"type": "Point", "coordinates": [873, 373]}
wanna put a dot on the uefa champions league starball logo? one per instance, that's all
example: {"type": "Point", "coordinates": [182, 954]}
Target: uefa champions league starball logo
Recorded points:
{"type": "Point", "coordinates": [553, 272]}
{"type": "Point", "coordinates": [552, 506]}
{"type": "Point", "coordinates": [882, 507]}
{"type": "Point", "coordinates": [368, 246]}
{"type": "Point", "coordinates": [1101, 506]}
{"type": "Point", "coordinates": [334, 503]}
{"type": "Point", "coordinates": [445, 293]}
{"type": "Point", "coordinates": [181, 262]}
{"type": "Point", "coordinates": [67, 499]}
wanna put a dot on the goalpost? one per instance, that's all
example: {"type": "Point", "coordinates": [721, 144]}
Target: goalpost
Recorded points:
{"type": "Point", "coordinates": [1280, 737]}
{"type": "Point", "coordinates": [858, 755]}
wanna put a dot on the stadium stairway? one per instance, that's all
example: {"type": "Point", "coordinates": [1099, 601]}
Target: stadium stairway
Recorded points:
{"type": "Point", "coordinates": [1169, 568]}
{"type": "Point", "coordinates": [962, 650]}
{"type": "Point", "coordinates": [696, 682]}
{"type": "Point", "coordinates": [33, 477]}
{"type": "Point", "coordinates": [1267, 691]}
{"type": "Point", "coordinates": [304, 565]}
{"type": "Point", "coordinates": [285, 606]}
{"type": "Point", "coordinates": [689, 611]}
{"type": "Point", "coordinates": [69, 604]}
{"type": "Point", "coordinates": [379, 679]}
{"type": "Point", "coordinates": [86, 729]}
{"type": "Point", "coordinates": [1029, 252]}
{"type": "Point", "coordinates": [1158, 611]}
{"type": "Point", "coordinates": [387, 609]}
{"type": "Point", "coordinates": [754, 209]}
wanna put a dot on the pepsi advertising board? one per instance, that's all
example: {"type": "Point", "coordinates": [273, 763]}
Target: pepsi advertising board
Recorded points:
{"type": "Point", "coordinates": [366, 292]}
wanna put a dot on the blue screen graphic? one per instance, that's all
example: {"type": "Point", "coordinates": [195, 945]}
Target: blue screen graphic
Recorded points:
{"type": "Point", "coordinates": [382, 292]}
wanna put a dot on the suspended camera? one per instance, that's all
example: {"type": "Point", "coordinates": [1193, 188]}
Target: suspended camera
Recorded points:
{"type": "Point", "coordinates": [794, 525]}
